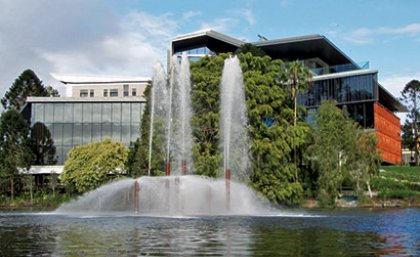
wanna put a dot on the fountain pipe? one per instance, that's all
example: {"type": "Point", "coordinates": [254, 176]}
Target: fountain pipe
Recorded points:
{"type": "Point", "coordinates": [168, 168]}
{"type": "Point", "coordinates": [227, 185]}
{"type": "Point", "coordinates": [184, 167]}
{"type": "Point", "coordinates": [136, 196]}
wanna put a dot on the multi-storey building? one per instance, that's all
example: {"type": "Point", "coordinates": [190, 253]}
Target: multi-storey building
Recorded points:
{"type": "Point", "coordinates": [335, 76]}
{"type": "Point", "coordinates": [95, 108]}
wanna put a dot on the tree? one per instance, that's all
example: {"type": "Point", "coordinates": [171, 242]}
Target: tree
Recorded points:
{"type": "Point", "coordinates": [92, 165]}
{"type": "Point", "coordinates": [15, 149]}
{"type": "Point", "coordinates": [206, 78]}
{"type": "Point", "coordinates": [331, 154]}
{"type": "Point", "coordinates": [138, 155]}
{"type": "Point", "coordinates": [250, 48]}
{"type": "Point", "coordinates": [27, 84]}
{"type": "Point", "coordinates": [42, 144]}
{"type": "Point", "coordinates": [411, 97]}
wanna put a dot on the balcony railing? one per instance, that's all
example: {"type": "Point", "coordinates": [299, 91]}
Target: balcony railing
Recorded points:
{"type": "Point", "coordinates": [340, 68]}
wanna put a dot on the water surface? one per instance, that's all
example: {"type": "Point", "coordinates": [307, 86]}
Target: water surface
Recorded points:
{"type": "Point", "coordinates": [349, 232]}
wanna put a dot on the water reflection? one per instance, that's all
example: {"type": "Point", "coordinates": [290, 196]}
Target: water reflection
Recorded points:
{"type": "Point", "coordinates": [342, 233]}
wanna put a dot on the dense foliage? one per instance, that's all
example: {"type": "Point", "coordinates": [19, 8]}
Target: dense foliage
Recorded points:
{"type": "Point", "coordinates": [411, 97]}
{"type": "Point", "coordinates": [27, 84]}
{"type": "Point", "coordinates": [92, 165]}
{"type": "Point", "coordinates": [15, 149]}
{"type": "Point", "coordinates": [339, 151]}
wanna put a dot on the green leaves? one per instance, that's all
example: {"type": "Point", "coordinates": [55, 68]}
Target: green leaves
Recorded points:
{"type": "Point", "coordinates": [90, 166]}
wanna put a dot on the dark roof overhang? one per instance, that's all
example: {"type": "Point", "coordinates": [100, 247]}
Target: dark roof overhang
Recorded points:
{"type": "Point", "coordinates": [215, 41]}
{"type": "Point", "coordinates": [305, 47]}
{"type": "Point", "coordinates": [389, 101]}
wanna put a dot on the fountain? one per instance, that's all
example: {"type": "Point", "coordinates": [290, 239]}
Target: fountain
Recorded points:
{"type": "Point", "coordinates": [187, 194]}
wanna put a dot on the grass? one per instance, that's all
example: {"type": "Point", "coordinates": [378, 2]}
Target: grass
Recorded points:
{"type": "Point", "coordinates": [398, 182]}
{"type": "Point", "coordinates": [41, 201]}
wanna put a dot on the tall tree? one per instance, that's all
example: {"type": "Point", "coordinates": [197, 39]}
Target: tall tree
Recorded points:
{"type": "Point", "coordinates": [206, 77]}
{"type": "Point", "coordinates": [15, 149]}
{"type": "Point", "coordinates": [91, 165]}
{"type": "Point", "coordinates": [138, 155]}
{"type": "Point", "coordinates": [27, 84]}
{"type": "Point", "coordinates": [331, 154]}
{"type": "Point", "coordinates": [411, 97]}
{"type": "Point", "coordinates": [42, 145]}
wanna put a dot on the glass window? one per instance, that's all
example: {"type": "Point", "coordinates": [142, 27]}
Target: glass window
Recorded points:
{"type": "Point", "coordinates": [87, 112]}
{"type": "Point", "coordinates": [67, 134]}
{"type": "Point", "coordinates": [116, 112]}
{"type": "Point", "coordinates": [134, 92]}
{"type": "Point", "coordinates": [59, 154]}
{"type": "Point", "coordinates": [38, 110]}
{"type": "Point", "coordinates": [87, 133]}
{"type": "Point", "coordinates": [135, 112]}
{"type": "Point", "coordinates": [77, 134]}
{"type": "Point", "coordinates": [116, 132]}
{"type": "Point", "coordinates": [106, 130]}
{"type": "Point", "coordinates": [96, 132]}
{"type": "Point", "coordinates": [83, 93]}
{"type": "Point", "coordinates": [91, 93]}
{"type": "Point", "coordinates": [58, 133]}
{"type": "Point", "coordinates": [125, 86]}
{"type": "Point", "coordinates": [113, 92]}
{"type": "Point", "coordinates": [134, 131]}
{"type": "Point", "coordinates": [58, 112]}
{"type": "Point", "coordinates": [68, 112]}
{"type": "Point", "coordinates": [49, 113]}
{"type": "Point", "coordinates": [106, 112]}
{"type": "Point", "coordinates": [78, 111]}
{"type": "Point", "coordinates": [125, 134]}
{"type": "Point", "coordinates": [96, 112]}
{"type": "Point", "coordinates": [105, 92]}
{"type": "Point", "coordinates": [125, 112]}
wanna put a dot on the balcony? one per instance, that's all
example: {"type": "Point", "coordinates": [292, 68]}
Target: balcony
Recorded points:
{"type": "Point", "coordinates": [340, 68]}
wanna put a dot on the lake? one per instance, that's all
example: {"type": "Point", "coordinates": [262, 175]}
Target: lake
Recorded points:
{"type": "Point", "coordinates": [340, 232]}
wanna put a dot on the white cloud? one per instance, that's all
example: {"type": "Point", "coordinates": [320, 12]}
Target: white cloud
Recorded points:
{"type": "Point", "coordinates": [221, 24]}
{"type": "Point", "coordinates": [370, 35]}
{"type": "Point", "coordinates": [79, 37]}
{"type": "Point", "coordinates": [248, 16]}
{"type": "Point", "coordinates": [190, 14]}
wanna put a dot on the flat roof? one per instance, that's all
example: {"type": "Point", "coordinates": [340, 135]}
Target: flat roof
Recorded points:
{"type": "Point", "coordinates": [91, 79]}
{"type": "Point", "coordinates": [125, 99]}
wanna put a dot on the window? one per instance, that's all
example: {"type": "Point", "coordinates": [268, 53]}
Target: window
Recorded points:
{"type": "Point", "coordinates": [113, 92]}
{"type": "Point", "coordinates": [83, 93]}
{"type": "Point", "coordinates": [92, 93]}
{"type": "Point", "coordinates": [105, 92]}
{"type": "Point", "coordinates": [133, 92]}
{"type": "Point", "coordinates": [125, 89]}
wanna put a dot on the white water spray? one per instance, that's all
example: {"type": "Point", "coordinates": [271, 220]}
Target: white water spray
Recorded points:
{"type": "Point", "coordinates": [234, 120]}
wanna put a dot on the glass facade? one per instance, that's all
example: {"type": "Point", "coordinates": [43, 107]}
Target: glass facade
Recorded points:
{"type": "Point", "coordinates": [344, 90]}
{"type": "Point", "coordinates": [362, 113]}
{"type": "Point", "coordinates": [73, 124]}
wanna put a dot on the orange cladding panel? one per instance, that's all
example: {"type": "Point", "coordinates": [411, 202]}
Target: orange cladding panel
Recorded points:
{"type": "Point", "coordinates": [388, 133]}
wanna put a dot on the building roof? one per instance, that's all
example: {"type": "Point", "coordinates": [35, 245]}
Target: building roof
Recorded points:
{"type": "Point", "coordinates": [292, 48]}
{"type": "Point", "coordinates": [125, 99]}
{"type": "Point", "coordinates": [90, 79]}
{"type": "Point", "coordinates": [215, 41]}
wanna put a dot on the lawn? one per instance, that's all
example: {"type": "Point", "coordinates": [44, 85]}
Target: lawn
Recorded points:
{"type": "Point", "coordinates": [398, 182]}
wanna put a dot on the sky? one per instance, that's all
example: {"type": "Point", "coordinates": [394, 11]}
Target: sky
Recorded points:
{"type": "Point", "coordinates": [127, 37]}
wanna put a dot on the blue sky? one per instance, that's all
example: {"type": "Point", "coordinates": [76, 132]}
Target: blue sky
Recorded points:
{"type": "Point", "coordinates": [114, 38]}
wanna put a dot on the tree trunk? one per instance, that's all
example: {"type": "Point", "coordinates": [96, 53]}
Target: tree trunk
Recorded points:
{"type": "Point", "coordinates": [370, 191]}
{"type": "Point", "coordinates": [12, 188]}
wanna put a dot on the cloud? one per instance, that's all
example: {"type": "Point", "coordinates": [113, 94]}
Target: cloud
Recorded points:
{"type": "Point", "coordinates": [248, 16]}
{"type": "Point", "coordinates": [220, 24]}
{"type": "Point", "coordinates": [371, 35]}
{"type": "Point", "coordinates": [189, 14]}
{"type": "Point", "coordinates": [79, 37]}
